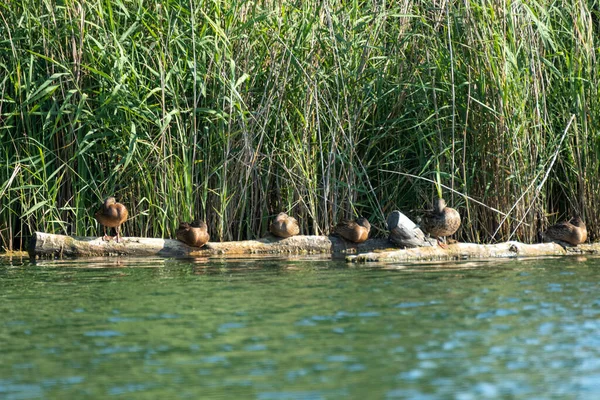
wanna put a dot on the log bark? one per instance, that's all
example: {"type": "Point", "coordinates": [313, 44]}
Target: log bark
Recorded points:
{"type": "Point", "coordinates": [379, 250]}
{"type": "Point", "coordinates": [405, 233]}
{"type": "Point", "coordinates": [463, 251]}
{"type": "Point", "coordinates": [51, 245]}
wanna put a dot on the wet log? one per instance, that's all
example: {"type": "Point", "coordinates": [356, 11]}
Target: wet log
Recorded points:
{"type": "Point", "coordinates": [43, 245]}
{"type": "Point", "coordinates": [51, 245]}
{"type": "Point", "coordinates": [463, 251]}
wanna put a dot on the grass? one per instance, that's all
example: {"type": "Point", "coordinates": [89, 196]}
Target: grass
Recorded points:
{"type": "Point", "coordinates": [233, 111]}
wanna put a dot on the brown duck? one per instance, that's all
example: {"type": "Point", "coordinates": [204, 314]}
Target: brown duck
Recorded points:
{"type": "Point", "coordinates": [441, 221]}
{"type": "Point", "coordinates": [354, 231]}
{"type": "Point", "coordinates": [284, 226]}
{"type": "Point", "coordinates": [112, 215]}
{"type": "Point", "coordinates": [572, 231]}
{"type": "Point", "coordinates": [194, 234]}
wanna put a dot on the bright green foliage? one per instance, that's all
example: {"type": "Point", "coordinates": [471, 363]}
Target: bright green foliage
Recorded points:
{"type": "Point", "coordinates": [232, 111]}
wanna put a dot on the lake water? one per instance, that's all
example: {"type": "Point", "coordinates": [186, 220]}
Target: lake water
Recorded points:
{"type": "Point", "coordinates": [297, 329]}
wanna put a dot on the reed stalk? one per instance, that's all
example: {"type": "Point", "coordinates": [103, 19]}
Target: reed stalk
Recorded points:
{"type": "Point", "coordinates": [232, 111]}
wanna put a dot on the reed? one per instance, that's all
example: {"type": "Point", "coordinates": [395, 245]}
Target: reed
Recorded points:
{"type": "Point", "coordinates": [233, 111]}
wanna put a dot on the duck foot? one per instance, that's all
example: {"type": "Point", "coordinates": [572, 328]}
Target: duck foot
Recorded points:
{"type": "Point", "coordinates": [564, 245]}
{"type": "Point", "coordinates": [442, 244]}
{"type": "Point", "coordinates": [107, 238]}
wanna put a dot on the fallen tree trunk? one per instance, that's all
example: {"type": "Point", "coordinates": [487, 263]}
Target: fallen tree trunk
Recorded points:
{"type": "Point", "coordinates": [463, 251]}
{"type": "Point", "coordinates": [405, 233]}
{"type": "Point", "coordinates": [378, 250]}
{"type": "Point", "coordinates": [51, 245]}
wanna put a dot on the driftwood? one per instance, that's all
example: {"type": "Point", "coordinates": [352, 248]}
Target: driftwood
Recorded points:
{"type": "Point", "coordinates": [405, 233]}
{"type": "Point", "coordinates": [463, 251]}
{"type": "Point", "coordinates": [51, 245]}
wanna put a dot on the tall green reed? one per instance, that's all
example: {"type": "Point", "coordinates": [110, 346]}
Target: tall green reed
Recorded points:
{"type": "Point", "coordinates": [233, 111]}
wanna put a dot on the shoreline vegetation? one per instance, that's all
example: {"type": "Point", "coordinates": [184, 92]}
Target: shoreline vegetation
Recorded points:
{"type": "Point", "coordinates": [232, 112]}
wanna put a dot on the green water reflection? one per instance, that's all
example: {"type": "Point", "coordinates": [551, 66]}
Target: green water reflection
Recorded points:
{"type": "Point", "coordinates": [291, 329]}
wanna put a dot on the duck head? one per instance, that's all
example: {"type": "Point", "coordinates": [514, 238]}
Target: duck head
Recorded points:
{"type": "Point", "coordinates": [577, 221]}
{"type": "Point", "coordinates": [184, 225]}
{"type": "Point", "coordinates": [109, 201]}
{"type": "Point", "coordinates": [198, 223]}
{"type": "Point", "coordinates": [439, 205]}
{"type": "Point", "coordinates": [362, 221]}
{"type": "Point", "coordinates": [281, 216]}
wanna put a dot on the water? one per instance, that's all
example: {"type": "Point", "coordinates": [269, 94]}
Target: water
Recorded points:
{"type": "Point", "coordinates": [292, 329]}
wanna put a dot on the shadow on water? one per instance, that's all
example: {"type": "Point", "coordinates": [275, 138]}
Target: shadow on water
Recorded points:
{"type": "Point", "coordinates": [299, 328]}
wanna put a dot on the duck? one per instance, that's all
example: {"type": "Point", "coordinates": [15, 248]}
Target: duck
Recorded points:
{"type": "Point", "coordinates": [573, 231]}
{"type": "Point", "coordinates": [353, 231]}
{"type": "Point", "coordinates": [193, 234]}
{"type": "Point", "coordinates": [284, 226]}
{"type": "Point", "coordinates": [112, 215]}
{"type": "Point", "coordinates": [441, 221]}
